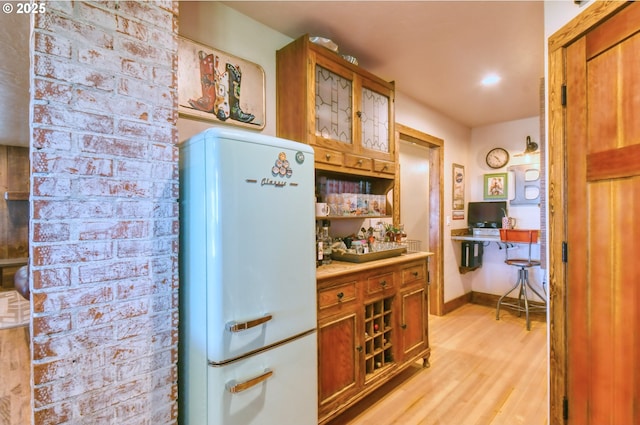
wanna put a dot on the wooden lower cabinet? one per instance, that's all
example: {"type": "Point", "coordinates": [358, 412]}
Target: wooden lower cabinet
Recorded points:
{"type": "Point", "coordinates": [372, 324]}
{"type": "Point", "coordinates": [337, 343]}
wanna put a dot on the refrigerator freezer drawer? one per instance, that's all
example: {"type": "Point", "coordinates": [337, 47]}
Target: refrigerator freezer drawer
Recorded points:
{"type": "Point", "coordinates": [274, 387]}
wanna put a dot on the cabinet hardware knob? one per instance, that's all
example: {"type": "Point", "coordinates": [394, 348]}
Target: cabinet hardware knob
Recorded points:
{"type": "Point", "coordinates": [415, 274]}
{"type": "Point", "coordinates": [359, 114]}
{"type": "Point", "coordinates": [359, 348]}
{"type": "Point", "coordinates": [340, 295]}
{"type": "Point", "coordinates": [384, 167]}
{"type": "Point", "coordinates": [328, 156]}
{"type": "Point", "coordinates": [360, 162]}
{"type": "Point", "coordinates": [403, 326]}
{"type": "Point", "coordinates": [383, 283]}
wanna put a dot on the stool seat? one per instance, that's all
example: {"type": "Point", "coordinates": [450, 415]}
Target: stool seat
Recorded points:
{"type": "Point", "coordinates": [522, 262]}
{"type": "Point", "coordinates": [528, 237]}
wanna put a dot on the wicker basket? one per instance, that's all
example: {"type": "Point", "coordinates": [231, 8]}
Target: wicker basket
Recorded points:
{"type": "Point", "coordinates": [413, 245]}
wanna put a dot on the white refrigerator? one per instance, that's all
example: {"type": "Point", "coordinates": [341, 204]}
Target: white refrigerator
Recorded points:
{"type": "Point", "coordinates": [247, 341]}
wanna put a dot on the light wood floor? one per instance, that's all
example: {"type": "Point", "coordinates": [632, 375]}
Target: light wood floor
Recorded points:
{"type": "Point", "coordinates": [483, 372]}
{"type": "Point", "coordinates": [15, 370]}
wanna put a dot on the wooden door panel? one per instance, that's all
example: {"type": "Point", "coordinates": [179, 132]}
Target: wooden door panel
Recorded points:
{"type": "Point", "coordinates": [413, 321]}
{"type": "Point", "coordinates": [603, 275]}
{"type": "Point", "coordinates": [337, 368]}
{"type": "Point", "coordinates": [613, 313]}
{"type": "Point", "coordinates": [613, 100]}
{"type": "Point", "coordinates": [578, 369]}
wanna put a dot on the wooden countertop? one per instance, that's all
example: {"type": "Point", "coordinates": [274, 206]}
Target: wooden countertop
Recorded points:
{"type": "Point", "coordinates": [338, 268]}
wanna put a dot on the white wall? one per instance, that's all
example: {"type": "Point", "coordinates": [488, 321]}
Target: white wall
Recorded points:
{"type": "Point", "coordinates": [414, 193]}
{"type": "Point", "coordinates": [495, 277]}
{"type": "Point", "coordinates": [218, 26]}
{"type": "Point", "coordinates": [511, 136]}
{"type": "Point", "coordinates": [457, 141]}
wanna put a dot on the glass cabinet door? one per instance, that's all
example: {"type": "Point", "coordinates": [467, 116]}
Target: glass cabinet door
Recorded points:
{"type": "Point", "coordinates": [333, 101]}
{"type": "Point", "coordinates": [374, 116]}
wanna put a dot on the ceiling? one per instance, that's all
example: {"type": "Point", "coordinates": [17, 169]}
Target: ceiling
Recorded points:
{"type": "Point", "coordinates": [436, 51]}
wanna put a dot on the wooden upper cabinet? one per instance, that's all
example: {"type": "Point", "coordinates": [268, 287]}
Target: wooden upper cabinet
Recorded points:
{"type": "Point", "coordinates": [328, 102]}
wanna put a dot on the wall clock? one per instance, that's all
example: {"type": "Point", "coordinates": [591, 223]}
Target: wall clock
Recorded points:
{"type": "Point", "coordinates": [497, 158]}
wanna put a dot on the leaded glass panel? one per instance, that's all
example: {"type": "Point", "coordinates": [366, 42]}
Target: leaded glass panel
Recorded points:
{"type": "Point", "coordinates": [375, 121]}
{"type": "Point", "coordinates": [333, 106]}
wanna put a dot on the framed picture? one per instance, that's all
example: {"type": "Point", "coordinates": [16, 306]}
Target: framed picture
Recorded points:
{"type": "Point", "coordinates": [458, 192]}
{"type": "Point", "coordinates": [219, 87]}
{"type": "Point", "coordinates": [495, 186]}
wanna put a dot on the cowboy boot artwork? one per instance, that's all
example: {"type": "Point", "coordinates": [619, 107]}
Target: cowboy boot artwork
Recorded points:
{"type": "Point", "coordinates": [235, 77]}
{"type": "Point", "coordinates": [221, 81]}
{"type": "Point", "coordinates": [206, 102]}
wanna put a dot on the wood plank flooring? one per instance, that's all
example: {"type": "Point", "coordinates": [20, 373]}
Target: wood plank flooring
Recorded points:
{"type": "Point", "coordinates": [483, 372]}
{"type": "Point", "coordinates": [15, 376]}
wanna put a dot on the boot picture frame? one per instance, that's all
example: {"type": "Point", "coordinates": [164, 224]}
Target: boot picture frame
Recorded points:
{"type": "Point", "coordinates": [219, 87]}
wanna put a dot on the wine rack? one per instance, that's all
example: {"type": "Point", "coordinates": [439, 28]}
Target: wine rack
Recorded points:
{"type": "Point", "coordinates": [378, 337]}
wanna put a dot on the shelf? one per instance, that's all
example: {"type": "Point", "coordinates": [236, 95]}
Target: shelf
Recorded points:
{"type": "Point", "coordinates": [378, 336]}
{"type": "Point", "coordinates": [16, 196]}
{"type": "Point", "coordinates": [350, 217]}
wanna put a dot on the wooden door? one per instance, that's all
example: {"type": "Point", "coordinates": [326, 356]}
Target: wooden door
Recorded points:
{"type": "Point", "coordinates": [413, 322]}
{"type": "Point", "coordinates": [338, 362]}
{"type": "Point", "coordinates": [603, 227]}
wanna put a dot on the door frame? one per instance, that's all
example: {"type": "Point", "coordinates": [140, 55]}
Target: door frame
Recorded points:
{"type": "Point", "coordinates": [435, 147]}
{"type": "Point", "coordinates": [558, 197]}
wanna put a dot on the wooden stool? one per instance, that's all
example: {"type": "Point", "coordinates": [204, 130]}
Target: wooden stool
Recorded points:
{"type": "Point", "coordinates": [513, 236]}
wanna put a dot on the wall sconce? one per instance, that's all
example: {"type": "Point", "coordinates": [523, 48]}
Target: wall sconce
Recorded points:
{"type": "Point", "coordinates": [531, 148]}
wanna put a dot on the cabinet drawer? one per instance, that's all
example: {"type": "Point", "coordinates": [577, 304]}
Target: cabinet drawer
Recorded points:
{"type": "Point", "coordinates": [359, 162]}
{"type": "Point", "coordinates": [327, 156]}
{"type": "Point", "coordinates": [413, 273]}
{"type": "Point", "coordinates": [337, 296]}
{"type": "Point", "coordinates": [379, 283]}
{"type": "Point", "coordinates": [381, 166]}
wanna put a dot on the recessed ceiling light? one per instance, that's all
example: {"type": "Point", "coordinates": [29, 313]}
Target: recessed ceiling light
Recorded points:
{"type": "Point", "coordinates": [490, 80]}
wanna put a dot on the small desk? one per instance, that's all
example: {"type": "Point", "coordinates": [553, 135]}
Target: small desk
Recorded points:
{"type": "Point", "coordinates": [472, 255]}
{"type": "Point", "coordinates": [476, 238]}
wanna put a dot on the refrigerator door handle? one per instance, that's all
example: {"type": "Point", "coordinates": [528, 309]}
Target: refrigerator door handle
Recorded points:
{"type": "Point", "coordinates": [241, 326]}
{"type": "Point", "coordinates": [234, 387]}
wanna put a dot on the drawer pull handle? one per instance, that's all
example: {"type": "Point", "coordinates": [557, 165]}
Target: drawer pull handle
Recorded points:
{"type": "Point", "coordinates": [340, 295]}
{"type": "Point", "coordinates": [328, 156]}
{"type": "Point", "coordinates": [236, 387]}
{"type": "Point", "coordinates": [359, 114]}
{"type": "Point", "coordinates": [383, 283]}
{"type": "Point", "coordinates": [415, 274]}
{"type": "Point", "coordinates": [237, 327]}
{"type": "Point", "coordinates": [359, 348]}
{"type": "Point", "coordinates": [385, 167]}
{"type": "Point", "coordinates": [403, 326]}
{"type": "Point", "coordinates": [360, 163]}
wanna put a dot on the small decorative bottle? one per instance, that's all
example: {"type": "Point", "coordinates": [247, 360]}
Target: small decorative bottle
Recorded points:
{"type": "Point", "coordinates": [326, 243]}
{"type": "Point", "coordinates": [319, 248]}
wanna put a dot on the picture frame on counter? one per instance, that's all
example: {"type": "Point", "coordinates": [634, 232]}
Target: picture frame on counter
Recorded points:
{"type": "Point", "coordinates": [458, 192]}
{"type": "Point", "coordinates": [495, 186]}
{"type": "Point", "coordinates": [219, 87]}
